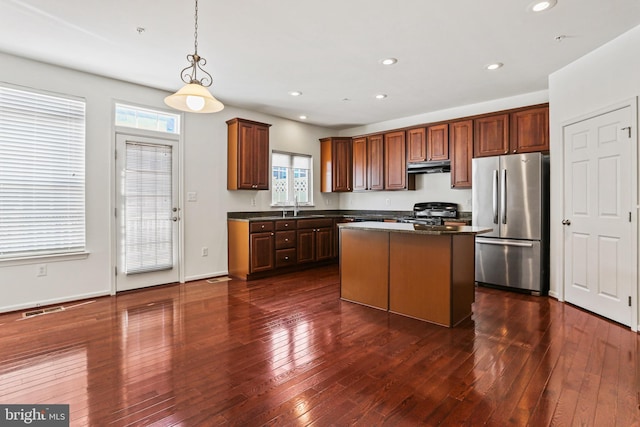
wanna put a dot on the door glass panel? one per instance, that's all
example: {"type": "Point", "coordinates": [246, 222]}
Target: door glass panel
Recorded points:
{"type": "Point", "coordinates": [148, 243]}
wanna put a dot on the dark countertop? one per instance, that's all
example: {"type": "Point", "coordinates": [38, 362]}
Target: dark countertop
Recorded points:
{"type": "Point", "coordinates": [366, 215]}
{"type": "Point", "coordinates": [414, 228]}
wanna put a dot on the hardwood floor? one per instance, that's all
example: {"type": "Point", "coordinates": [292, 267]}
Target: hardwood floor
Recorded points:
{"type": "Point", "coordinates": [287, 351]}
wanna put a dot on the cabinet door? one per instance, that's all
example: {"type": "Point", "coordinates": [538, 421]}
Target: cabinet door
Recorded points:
{"type": "Point", "coordinates": [261, 252]}
{"type": "Point", "coordinates": [530, 130]}
{"type": "Point", "coordinates": [395, 163]}
{"type": "Point", "coordinates": [416, 145]}
{"type": "Point", "coordinates": [324, 244]}
{"type": "Point", "coordinates": [461, 143]}
{"type": "Point", "coordinates": [260, 167]}
{"type": "Point", "coordinates": [360, 170]}
{"type": "Point", "coordinates": [375, 162]}
{"type": "Point", "coordinates": [306, 245]}
{"type": "Point", "coordinates": [245, 156]}
{"type": "Point", "coordinates": [491, 135]}
{"type": "Point", "coordinates": [342, 164]}
{"type": "Point", "coordinates": [438, 142]}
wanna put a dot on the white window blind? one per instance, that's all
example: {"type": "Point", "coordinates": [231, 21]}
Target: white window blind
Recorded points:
{"type": "Point", "coordinates": [42, 174]}
{"type": "Point", "coordinates": [147, 205]}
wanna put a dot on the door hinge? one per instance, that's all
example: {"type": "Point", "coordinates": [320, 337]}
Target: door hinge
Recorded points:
{"type": "Point", "coordinates": [629, 216]}
{"type": "Point", "coordinates": [629, 301]}
{"type": "Point", "coordinates": [628, 129]}
{"type": "Point", "coordinates": [115, 154]}
{"type": "Point", "coordinates": [116, 270]}
{"type": "Point", "coordinates": [115, 212]}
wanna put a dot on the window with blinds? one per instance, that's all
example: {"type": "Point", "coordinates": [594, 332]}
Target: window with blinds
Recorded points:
{"type": "Point", "coordinates": [291, 179]}
{"type": "Point", "coordinates": [147, 208]}
{"type": "Point", "coordinates": [42, 174]}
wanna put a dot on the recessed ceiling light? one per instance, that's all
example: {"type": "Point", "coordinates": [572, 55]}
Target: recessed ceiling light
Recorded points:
{"type": "Point", "coordinates": [303, 117]}
{"type": "Point", "coordinates": [388, 61]}
{"type": "Point", "coordinates": [381, 96]}
{"type": "Point", "coordinates": [494, 66]}
{"type": "Point", "coordinates": [542, 5]}
{"type": "Point", "coordinates": [295, 93]}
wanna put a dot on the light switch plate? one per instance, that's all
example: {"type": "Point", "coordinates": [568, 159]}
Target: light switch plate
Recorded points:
{"type": "Point", "coordinates": [192, 196]}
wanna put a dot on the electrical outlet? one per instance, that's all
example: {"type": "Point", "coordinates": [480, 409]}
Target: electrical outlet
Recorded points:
{"type": "Point", "coordinates": [192, 196]}
{"type": "Point", "coordinates": [205, 251]}
{"type": "Point", "coordinates": [253, 201]}
{"type": "Point", "coordinates": [42, 270]}
{"type": "Point", "coordinates": [387, 202]}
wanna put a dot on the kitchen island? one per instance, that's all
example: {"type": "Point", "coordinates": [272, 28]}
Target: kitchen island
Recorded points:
{"type": "Point", "coordinates": [424, 272]}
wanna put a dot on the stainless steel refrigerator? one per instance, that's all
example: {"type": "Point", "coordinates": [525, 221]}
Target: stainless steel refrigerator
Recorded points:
{"type": "Point", "coordinates": [511, 195]}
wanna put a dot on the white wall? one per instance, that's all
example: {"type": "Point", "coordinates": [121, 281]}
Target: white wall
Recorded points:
{"type": "Point", "coordinates": [435, 187]}
{"type": "Point", "coordinates": [607, 76]}
{"type": "Point", "coordinates": [205, 151]}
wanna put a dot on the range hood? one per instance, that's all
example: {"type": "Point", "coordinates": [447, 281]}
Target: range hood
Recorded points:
{"type": "Point", "coordinates": [440, 166]}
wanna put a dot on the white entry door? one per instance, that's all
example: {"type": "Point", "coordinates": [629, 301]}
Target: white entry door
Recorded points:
{"type": "Point", "coordinates": [147, 212]}
{"type": "Point", "coordinates": [599, 258]}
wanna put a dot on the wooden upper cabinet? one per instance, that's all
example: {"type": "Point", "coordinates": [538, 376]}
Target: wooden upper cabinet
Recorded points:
{"type": "Point", "coordinates": [368, 163]}
{"type": "Point", "coordinates": [395, 161]}
{"type": "Point", "coordinates": [530, 130]}
{"type": "Point", "coordinates": [491, 135]}
{"type": "Point", "coordinates": [375, 162]}
{"type": "Point", "coordinates": [416, 145]}
{"type": "Point", "coordinates": [438, 142]}
{"type": "Point", "coordinates": [360, 170]}
{"type": "Point", "coordinates": [461, 144]}
{"type": "Point", "coordinates": [247, 155]}
{"type": "Point", "coordinates": [335, 164]}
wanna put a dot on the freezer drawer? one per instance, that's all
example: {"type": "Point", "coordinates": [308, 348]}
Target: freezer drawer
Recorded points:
{"type": "Point", "coordinates": [512, 263]}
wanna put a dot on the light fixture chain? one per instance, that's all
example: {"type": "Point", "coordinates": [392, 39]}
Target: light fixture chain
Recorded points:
{"type": "Point", "coordinates": [195, 34]}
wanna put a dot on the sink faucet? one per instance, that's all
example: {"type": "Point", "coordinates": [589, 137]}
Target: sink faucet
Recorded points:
{"type": "Point", "coordinates": [295, 205]}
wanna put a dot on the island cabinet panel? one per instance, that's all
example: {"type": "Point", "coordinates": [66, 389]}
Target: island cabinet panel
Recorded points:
{"type": "Point", "coordinates": [364, 273]}
{"type": "Point", "coordinates": [530, 130]}
{"type": "Point", "coordinates": [463, 295]}
{"type": "Point", "coordinates": [238, 249]}
{"type": "Point", "coordinates": [491, 135]}
{"type": "Point", "coordinates": [414, 290]}
{"type": "Point", "coordinates": [461, 144]}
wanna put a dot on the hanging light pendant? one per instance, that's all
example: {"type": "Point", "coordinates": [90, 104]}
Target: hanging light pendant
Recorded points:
{"type": "Point", "coordinates": [194, 97]}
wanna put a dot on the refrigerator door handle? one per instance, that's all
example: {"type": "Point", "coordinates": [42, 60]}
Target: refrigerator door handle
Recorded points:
{"type": "Point", "coordinates": [495, 197]}
{"type": "Point", "coordinates": [503, 197]}
{"type": "Point", "coordinates": [496, 242]}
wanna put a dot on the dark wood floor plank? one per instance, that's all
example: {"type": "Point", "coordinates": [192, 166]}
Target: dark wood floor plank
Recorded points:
{"type": "Point", "coordinates": [287, 351]}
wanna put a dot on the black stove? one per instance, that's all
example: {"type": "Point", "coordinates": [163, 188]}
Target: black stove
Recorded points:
{"type": "Point", "coordinates": [431, 213]}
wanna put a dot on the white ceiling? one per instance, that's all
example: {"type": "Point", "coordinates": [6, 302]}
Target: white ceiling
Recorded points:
{"type": "Point", "coordinates": [258, 50]}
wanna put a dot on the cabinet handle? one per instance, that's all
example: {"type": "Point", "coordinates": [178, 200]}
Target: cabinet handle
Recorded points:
{"type": "Point", "coordinates": [263, 227]}
{"type": "Point", "coordinates": [287, 224]}
{"type": "Point", "coordinates": [286, 258]}
{"type": "Point", "coordinates": [286, 240]}
{"type": "Point", "coordinates": [272, 234]}
{"type": "Point", "coordinates": [515, 151]}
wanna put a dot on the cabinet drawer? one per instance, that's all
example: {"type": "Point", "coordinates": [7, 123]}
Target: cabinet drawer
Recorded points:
{"type": "Point", "coordinates": [315, 223]}
{"type": "Point", "coordinates": [285, 257]}
{"type": "Point", "coordinates": [286, 225]}
{"type": "Point", "coordinates": [256, 227]}
{"type": "Point", "coordinates": [285, 239]}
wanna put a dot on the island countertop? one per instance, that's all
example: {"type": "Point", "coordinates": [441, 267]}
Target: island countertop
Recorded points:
{"type": "Point", "coordinates": [414, 228]}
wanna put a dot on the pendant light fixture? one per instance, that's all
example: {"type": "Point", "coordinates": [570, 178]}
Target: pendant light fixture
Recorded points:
{"type": "Point", "coordinates": [194, 97]}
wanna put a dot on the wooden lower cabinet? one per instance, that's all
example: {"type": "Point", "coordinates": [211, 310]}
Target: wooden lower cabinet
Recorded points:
{"type": "Point", "coordinates": [261, 248]}
{"type": "Point", "coordinates": [315, 240]}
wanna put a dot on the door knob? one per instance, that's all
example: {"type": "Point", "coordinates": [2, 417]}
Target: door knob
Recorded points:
{"type": "Point", "coordinates": [566, 222]}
